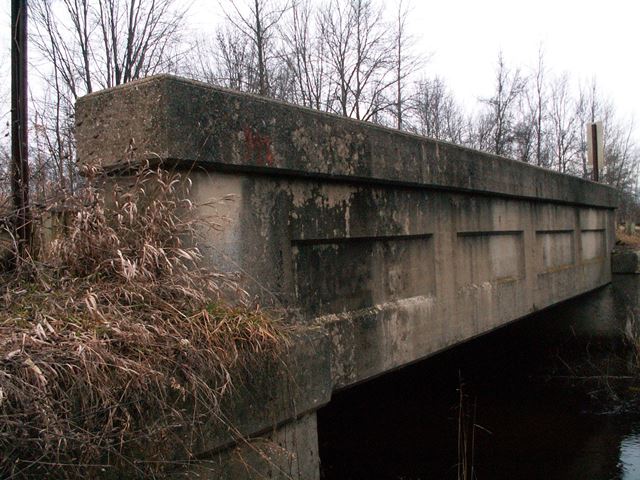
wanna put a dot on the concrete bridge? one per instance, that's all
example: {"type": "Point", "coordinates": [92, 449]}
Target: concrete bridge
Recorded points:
{"type": "Point", "coordinates": [387, 247]}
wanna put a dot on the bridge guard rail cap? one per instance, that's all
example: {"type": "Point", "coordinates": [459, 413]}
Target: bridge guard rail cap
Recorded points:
{"type": "Point", "coordinates": [176, 120]}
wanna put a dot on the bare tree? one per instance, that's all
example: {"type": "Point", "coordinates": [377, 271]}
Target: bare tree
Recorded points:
{"type": "Point", "coordinates": [226, 60]}
{"type": "Point", "coordinates": [480, 128]}
{"type": "Point", "coordinates": [340, 57]}
{"type": "Point", "coordinates": [500, 113]}
{"type": "Point", "coordinates": [106, 42]}
{"type": "Point", "coordinates": [622, 156]}
{"type": "Point", "coordinates": [4, 175]}
{"type": "Point", "coordinates": [305, 56]}
{"type": "Point", "coordinates": [360, 57]}
{"type": "Point", "coordinates": [406, 62]}
{"type": "Point", "coordinates": [257, 21]}
{"type": "Point", "coordinates": [565, 127]}
{"type": "Point", "coordinates": [137, 38]}
{"type": "Point", "coordinates": [93, 44]}
{"type": "Point", "coordinates": [538, 105]}
{"type": "Point", "coordinates": [5, 128]}
{"type": "Point", "coordinates": [436, 113]}
{"type": "Point", "coordinates": [522, 135]}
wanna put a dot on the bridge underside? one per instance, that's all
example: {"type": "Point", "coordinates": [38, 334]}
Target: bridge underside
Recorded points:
{"type": "Point", "coordinates": [389, 247]}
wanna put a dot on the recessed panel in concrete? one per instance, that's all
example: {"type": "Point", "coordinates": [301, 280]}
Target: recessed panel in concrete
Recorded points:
{"type": "Point", "coordinates": [593, 244]}
{"type": "Point", "coordinates": [348, 274]}
{"type": "Point", "coordinates": [488, 257]}
{"type": "Point", "coordinates": [553, 217]}
{"type": "Point", "coordinates": [556, 249]}
{"type": "Point", "coordinates": [593, 219]}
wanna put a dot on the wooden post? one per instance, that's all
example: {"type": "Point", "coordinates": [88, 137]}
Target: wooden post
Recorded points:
{"type": "Point", "coordinates": [19, 119]}
{"type": "Point", "coordinates": [595, 148]}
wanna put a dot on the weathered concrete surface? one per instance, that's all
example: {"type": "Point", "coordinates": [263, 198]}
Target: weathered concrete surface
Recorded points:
{"type": "Point", "coordinates": [393, 245]}
{"type": "Point", "coordinates": [266, 426]}
{"type": "Point", "coordinates": [627, 261]}
{"type": "Point", "coordinates": [274, 393]}
{"type": "Point", "coordinates": [170, 118]}
{"type": "Point", "coordinates": [288, 452]}
{"type": "Point", "coordinates": [397, 274]}
{"type": "Point", "coordinates": [605, 316]}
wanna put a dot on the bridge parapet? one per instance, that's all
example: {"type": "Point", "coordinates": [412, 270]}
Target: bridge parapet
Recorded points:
{"type": "Point", "coordinates": [399, 244]}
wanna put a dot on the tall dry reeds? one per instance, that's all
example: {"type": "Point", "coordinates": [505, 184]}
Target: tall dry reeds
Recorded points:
{"type": "Point", "coordinates": [466, 436]}
{"type": "Point", "coordinates": [113, 338]}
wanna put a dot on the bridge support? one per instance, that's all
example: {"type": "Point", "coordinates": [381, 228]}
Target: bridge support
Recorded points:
{"type": "Point", "coordinates": [388, 246]}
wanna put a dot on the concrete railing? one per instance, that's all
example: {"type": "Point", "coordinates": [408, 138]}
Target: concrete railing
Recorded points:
{"type": "Point", "coordinates": [397, 246]}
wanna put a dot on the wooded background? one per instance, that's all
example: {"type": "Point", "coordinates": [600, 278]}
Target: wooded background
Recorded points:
{"type": "Point", "coordinates": [356, 58]}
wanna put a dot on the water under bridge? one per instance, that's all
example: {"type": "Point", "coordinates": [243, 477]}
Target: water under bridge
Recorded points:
{"type": "Point", "coordinates": [385, 247]}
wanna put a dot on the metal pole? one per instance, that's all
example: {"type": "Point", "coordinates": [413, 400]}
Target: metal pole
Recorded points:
{"type": "Point", "coordinates": [19, 119]}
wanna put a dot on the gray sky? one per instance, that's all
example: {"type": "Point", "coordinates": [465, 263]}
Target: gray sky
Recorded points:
{"type": "Point", "coordinates": [585, 38]}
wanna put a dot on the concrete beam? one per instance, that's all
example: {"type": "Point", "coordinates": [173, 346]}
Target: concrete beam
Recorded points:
{"type": "Point", "coordinates": [175, 119]}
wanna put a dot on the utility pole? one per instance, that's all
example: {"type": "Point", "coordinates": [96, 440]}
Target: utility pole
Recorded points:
{"type": "Point", "coordinates": [19, 134]}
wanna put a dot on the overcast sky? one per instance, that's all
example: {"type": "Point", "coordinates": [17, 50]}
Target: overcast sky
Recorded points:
{"type": "Point", "coordinates": [584, 38]}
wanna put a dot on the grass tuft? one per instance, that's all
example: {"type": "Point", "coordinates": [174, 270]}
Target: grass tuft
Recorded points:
{"type": "Point", "coordinates": [113, 337]}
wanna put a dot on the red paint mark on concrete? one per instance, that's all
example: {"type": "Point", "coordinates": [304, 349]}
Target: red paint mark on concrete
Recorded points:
{"type": "Point", "coordinates": [259, 147]}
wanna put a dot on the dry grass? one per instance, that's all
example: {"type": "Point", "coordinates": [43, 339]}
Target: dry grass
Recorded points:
{"type": "Point", "coordinates": [625, 240]}
{"type": "Point", "coordinates": [115, 338]}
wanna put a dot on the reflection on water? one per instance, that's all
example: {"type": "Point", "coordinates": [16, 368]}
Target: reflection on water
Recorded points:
{"type": "Point", "coordinates": [536, 391]}
{"type": "Point", "coordinates": [630, 455]}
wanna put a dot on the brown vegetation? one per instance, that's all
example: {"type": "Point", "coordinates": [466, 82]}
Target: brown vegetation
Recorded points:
{"type": "Point", "coordinates": [627, 240]}
{"type": "Point", "coordinates": [114, 340]}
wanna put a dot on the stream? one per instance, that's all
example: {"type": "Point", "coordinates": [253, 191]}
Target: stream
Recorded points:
{"type": "Point", "coordinates": [552, 396]}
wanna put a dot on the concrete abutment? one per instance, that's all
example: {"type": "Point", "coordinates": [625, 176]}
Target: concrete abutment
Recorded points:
{"type": "Point", "coordinates": [386, 247]}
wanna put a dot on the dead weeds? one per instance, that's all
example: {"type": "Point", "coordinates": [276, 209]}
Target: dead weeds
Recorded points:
{"type": "Point", "coordinates": [113, 337]}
